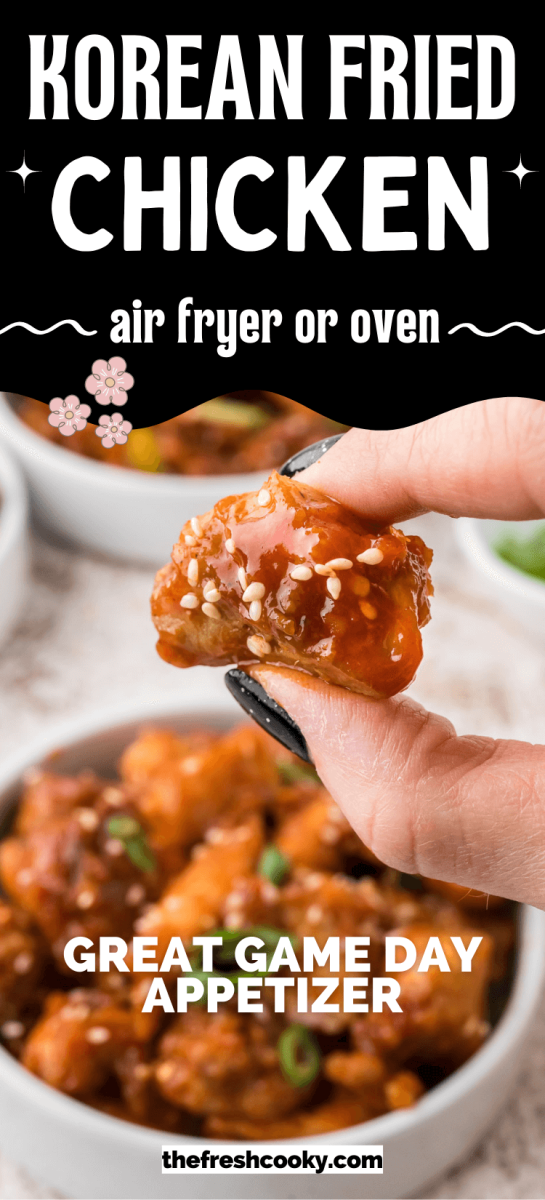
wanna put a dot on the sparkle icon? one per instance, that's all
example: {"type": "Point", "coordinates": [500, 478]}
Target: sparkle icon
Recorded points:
{"type": "Point", "coordinates": [520, 171]}
{"type": "Point", "coordinates": [24, 172]}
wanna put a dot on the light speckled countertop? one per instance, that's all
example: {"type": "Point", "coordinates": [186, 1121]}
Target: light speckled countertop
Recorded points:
{"type": "Point", "coordinates": [86, 641]}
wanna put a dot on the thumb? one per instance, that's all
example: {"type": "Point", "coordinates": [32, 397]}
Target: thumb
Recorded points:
{"type": "Point", "coordinates": [469, 810]}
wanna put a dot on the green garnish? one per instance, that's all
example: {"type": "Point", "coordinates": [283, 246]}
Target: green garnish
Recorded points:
{"type": "Point", "coordinates": [240, 413]}
{"type": "Point", "coordinates": [295, 773]}
{"type": "Point", "coordinates": [273, 865]}
{"type": "Point", "coordinates": [225, 955]}
{"type": "Point", "coordinates": [299, 1055]}
{"type": "Point", "coordinates": [130, 832]}
{"type": "Point", "coordinates": [526, 554]}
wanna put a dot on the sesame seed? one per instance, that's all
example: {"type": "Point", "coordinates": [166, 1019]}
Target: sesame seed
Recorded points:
{"type": "Point", "coordinates": [190, 600]}
{"type": "Point", "coordinates": [269, 892]}
{"type": "Point", "coordinates": [234, 920]}
{"type": "Point", "coordinates": [24, 878]}
{"type": "Point", "coordinates": [258, 645]}
{"type": "Point", "coordinates": [368, 610]}
{"type": "Point", "coordinates": [114, 847]}
{"type": "Point", "coordinates": [372, 556]}
{"type": "Point", "coordinates": [135, 895]}
{"type": "Point", "coordinates": [329, 835]}
{"type": "Point", "coordinates": [242, 579]}
{"type": "Point", "coordinates": [301, 573]}
{"type": "Point", "coordinates": [211, 594]}
{"type": "Point", "coordinates": [314, 914]}
{"type": "Point", "coordinates": [85, 899]}
{"type": "Point", "coordinates": [340, 564]}
{"type": "Point", "coordinates": [76, 1012]}
{"type": "Point", "coordinates": [23, 963]}
{"type": "Point", "coordinates": [192, 764]}
{"type": "Point", "coordinates": [172, 903]}
{"type": "Point", "coordinates": [264, 497]}
{"type": "Point", "coordinates": [87, 819]}
{"type": "Point", "coordinates": [215, 836]}
{"type": "Point", "coordinates": [196, 526]}
{"type": "Point", "coordinates": [313, 881]}
{"type": "Point", "coordinates": [254, 591]}
{"type": "Point", "coordinates": [210, 610]}
{"type": "Point", "coordinates": [334, 587]}
{"type": "Point", "coordinates": [12, 1029]}
{"type": "Point", "coordinates": [230, 546]}
{"type": "Point", "coordinates": [322, 569]}
{"type": "Point", "coordinates": [193, 572]}
{"type": "Point", "coordinates": [256, 608]}
{"type": "Point", "coordinates": [164, 1072]}
{"type": "Point", "coordinates": [98, 1035]}
{"type": "Point", "coordinates": [190, 540]}
{"type": "Point", "coordinates": [113, 797]}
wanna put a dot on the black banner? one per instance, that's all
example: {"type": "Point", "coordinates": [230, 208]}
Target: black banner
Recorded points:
{"type": "Point", "coordinates": [378, 306]}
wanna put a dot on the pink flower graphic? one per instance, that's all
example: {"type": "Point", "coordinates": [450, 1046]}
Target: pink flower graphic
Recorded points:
{"type": "Point", "coordinates": [110, 381]}
{"type": "Point", "coordinates": [68, 415]}
{"type": "Point", "coordinates": [113, 430]}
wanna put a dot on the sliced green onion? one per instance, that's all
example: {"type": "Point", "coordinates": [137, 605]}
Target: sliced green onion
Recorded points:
{"type": "Point", "coordinates": [130, 832]}
{"type": "Point", "coordinates": [243, 415]}
{"type": "Point", "coordinates": [123, 827]}
{"type": "Point", "coordinates": [294, 773]}
{"type": "Point", "coordinates": [299, 1055]}
{"type": "Point", "coordinates": [273, 865]}
{"type": "Point", "coordinates": [224, 955]}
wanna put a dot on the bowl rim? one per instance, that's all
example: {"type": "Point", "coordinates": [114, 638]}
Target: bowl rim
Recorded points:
{"type": "Point", "coordinates": [92, 471]}
{"type": "Point", "coordinates": [13, 505]}
{"type": "Point", "coordinates": [472, 540]}
{"type": "Point", "coordinates": [524, 998]}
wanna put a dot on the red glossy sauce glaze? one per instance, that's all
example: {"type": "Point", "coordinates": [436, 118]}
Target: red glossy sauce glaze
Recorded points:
{"type": "Point", "coordinates": [290, 577]}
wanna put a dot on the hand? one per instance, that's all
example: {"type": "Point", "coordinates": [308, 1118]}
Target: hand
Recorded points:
{"type": "Point", "coordinates": [469, 810]}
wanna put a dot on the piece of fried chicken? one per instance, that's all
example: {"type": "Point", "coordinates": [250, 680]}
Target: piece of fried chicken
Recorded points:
{"type": "Point", "coordinates": [289, 576]}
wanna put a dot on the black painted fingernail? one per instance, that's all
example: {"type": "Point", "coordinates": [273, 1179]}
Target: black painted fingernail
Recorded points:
{"type": "Point", "coordinates": [308, 456]}
{"type": "Point", "coordinates": [266, 712]}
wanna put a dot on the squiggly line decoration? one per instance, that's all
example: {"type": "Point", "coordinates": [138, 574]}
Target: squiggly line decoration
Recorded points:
{"type": "Point", "coordinates": [40, 332]}
{"type": "Point", "coordinates": [495, 332]}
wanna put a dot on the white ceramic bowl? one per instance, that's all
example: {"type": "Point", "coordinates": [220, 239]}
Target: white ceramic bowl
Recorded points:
{"type": "Point", "coordinates": [520, 594]}
{"type": "Point", "coordinates": [13, 543]}
{"type": "Point", "coordinates": [87, 1154]}
{"type": "Point", "coordinates": [130, 515]}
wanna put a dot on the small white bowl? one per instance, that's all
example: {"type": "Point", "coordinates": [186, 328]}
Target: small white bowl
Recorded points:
{"type": "Point", "coordinates": [85, 1153]}
{"type": "Point", "coordinates": [13, 543]}
{"type": "Point", "coordinates": [521, 594]}
{"type": "Point", "coordinates": [130, 515]}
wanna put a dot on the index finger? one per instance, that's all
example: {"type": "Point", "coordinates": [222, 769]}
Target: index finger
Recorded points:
{"type": "Point", "coordinates": [481, 460]}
